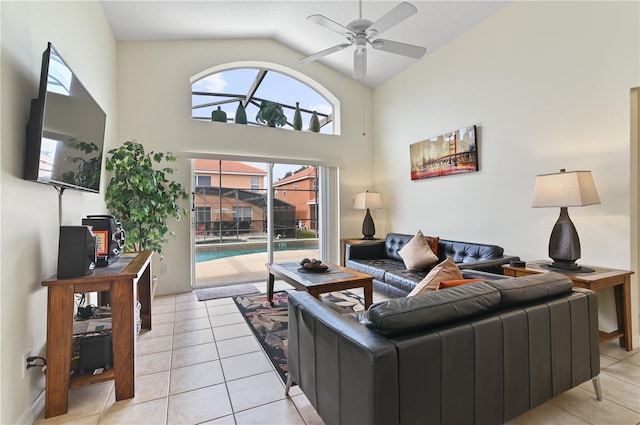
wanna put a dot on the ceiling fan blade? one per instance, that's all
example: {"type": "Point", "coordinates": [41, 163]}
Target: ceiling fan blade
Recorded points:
{"type": "Point", "coordinates": [324, 52]}
{"type": "Point", "coordinates": [359, 64]}
{"type": "Point", "coordinates": [392, 18]}
{"type": "Point", "coordinates": [323, 21]}
{"type": "Point", "coordinates": [399, 48]}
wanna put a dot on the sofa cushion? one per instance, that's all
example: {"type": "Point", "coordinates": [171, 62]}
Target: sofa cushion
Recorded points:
{"type": "Point", "coordinates": [417, 253]}
{"type": "Point", "coordinates": [376, 267]}
{"type": "Point", "coordinates": [522, 290]}
{"type": "Point", "coordinates": [393, 243]}
{"type": "Point", "coordinates": [451, 283]}
{"type": "Point", "coordinates": [446, 270]}
{"type": "Point", "coordinates": [405, 280]}
{"type": "Point", "coordinates": [433, 242]}
{"type": "Point", "coordinates": [467, 252]}
{"type": "Point", "coordinates": [400, 316]}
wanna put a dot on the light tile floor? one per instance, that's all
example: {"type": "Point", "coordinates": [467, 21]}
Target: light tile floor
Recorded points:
{"type": "Point", "coordinates": [201, 364]}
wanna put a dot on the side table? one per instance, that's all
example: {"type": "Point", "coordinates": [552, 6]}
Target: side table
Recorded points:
{"type": "Point", "coordinates": [602, 277]}
{"type": "Point", "coordinates": [127, 279]}
{"type": "Point", "coordinates": [351, 241]}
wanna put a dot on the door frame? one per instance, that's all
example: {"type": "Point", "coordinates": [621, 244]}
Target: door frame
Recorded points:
{"type": "Point", "coordinates": [328, 211]}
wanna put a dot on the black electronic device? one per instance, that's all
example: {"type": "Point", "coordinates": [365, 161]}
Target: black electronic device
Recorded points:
{"type": "Point", "coordinates": [96, 351]}
{"type": "Point", "coordinates": [76, 252]}
{"type": "Point", "coordinates": [518, 263]}
{"type": "Point", "coordinates": [109, 238]}
{"type": "Point", "coordinates": [65, 133]}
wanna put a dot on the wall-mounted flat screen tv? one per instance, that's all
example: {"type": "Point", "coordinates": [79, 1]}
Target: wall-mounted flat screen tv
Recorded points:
{"type": "Point", "coordinates": [65, 133]}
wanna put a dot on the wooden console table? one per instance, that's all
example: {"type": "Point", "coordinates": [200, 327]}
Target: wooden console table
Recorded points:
{"type": "Point", "coordinates": [602, 277]}
{"type": "Point", "coordinates": [127, 279]}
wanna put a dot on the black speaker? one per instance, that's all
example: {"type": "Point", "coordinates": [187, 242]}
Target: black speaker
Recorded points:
{"type": "Point", "coordinates": [76, 252]}
{"type": "Point", "coordinates": [109, 238]}
{"type": "Point", "coordinates": [96, 351]}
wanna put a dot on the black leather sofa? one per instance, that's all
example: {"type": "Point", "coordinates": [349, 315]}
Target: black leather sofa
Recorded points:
{"type": "Point", "coordinates": [481, 353]}
{"type": "Point", "coordinates": [381, 260]}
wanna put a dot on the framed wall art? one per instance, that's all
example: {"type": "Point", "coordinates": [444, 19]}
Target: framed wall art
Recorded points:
{"type": "Point", "coordinates": [450, 153]}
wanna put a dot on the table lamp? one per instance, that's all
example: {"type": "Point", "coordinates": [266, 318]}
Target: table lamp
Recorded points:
{"type": "Point", "coordinates": [366, 201]}
{"type": "Point", "coordinates": [565, 189]}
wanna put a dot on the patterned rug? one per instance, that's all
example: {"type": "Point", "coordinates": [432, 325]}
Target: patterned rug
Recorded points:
{"type": "Point", "coordinates": [270, 324]}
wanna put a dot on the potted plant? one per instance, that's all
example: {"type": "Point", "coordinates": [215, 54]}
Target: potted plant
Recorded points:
{"type": "Point", "coordinates": [142, 196]}
{"type": "Point", "coordinates": [271, 113]}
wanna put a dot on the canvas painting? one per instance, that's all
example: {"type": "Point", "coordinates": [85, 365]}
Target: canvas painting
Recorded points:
{"type": "Point", "coordinates": [450, 153]}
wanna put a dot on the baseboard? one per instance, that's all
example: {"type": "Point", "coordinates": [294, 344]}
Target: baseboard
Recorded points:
{"type": "Point", "coordinates": [635, 341]}
{"type": "Point", "coordinates": [30, 416]}
{"type": "Point", "coordinates": [173, 291]}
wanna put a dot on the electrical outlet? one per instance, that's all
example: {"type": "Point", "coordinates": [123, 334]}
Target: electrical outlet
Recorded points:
{"type": "Point", "coordinates": [23, 363]}
{"type": "Point", "coordinates": [164, 269]}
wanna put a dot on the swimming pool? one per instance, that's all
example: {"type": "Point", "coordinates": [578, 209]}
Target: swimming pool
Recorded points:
{"type": "Point", "coordinates": [217, 254]}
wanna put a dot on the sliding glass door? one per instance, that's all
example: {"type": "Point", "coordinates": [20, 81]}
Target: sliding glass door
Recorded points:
{"type": "Point", "coordinates": [246, 214]}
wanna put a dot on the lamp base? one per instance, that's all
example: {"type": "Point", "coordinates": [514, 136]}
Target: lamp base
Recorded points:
{"type": "Point", "coordinates": [562, 268]}
{"type": "Point", "coordinates": [564, 246]}
{"type": "Point", "coordinates": [368, 228]}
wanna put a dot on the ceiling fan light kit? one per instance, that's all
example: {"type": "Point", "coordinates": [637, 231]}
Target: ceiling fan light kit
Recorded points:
{"type": "Point", "coordinates": [361, 32]}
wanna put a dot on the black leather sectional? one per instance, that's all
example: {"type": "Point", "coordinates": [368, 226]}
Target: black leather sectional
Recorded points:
{"type": "Point", "coordinates": [481, 353]}
{"type": "Point", "coordinates": [381, 260]}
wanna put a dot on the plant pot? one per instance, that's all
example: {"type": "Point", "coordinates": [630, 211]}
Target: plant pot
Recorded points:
{"type": "Point", "coordinates": [297, 118]}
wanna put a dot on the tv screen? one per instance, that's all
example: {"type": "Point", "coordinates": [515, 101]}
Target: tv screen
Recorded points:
{"type": "Point", "coordinates": [65, 133]}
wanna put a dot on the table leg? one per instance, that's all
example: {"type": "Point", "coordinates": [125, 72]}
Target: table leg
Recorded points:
{"type": "Point", "coordinates": [145, 296]}
{"type": "Point", "coordinates": [59, 347]}
{"type": "Point", "coordinates": [270, 287]}
{"type": "Point", "coordinates": [622, 294]}
{"type": "Point", "coordinates": [368, 295]}
{"type": "Point", "coordinates": [124, 338]}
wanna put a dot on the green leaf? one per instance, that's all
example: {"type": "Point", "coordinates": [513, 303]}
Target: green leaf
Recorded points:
{"type": "Point", "coordinates": [142, 197]}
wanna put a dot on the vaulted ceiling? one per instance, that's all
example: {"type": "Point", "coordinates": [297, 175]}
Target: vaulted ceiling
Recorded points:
{"type": "Point", "coordinates": [435, 24]}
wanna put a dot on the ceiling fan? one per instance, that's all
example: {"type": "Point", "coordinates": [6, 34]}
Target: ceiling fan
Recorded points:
{"type": "Point", "coordinates": [362, 32]}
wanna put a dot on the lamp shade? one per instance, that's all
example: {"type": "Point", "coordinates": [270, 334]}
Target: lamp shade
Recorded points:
{"type": "Point", "coordinates": [367, 200]}
{"type": "Point", "coordinates": [565, 189]}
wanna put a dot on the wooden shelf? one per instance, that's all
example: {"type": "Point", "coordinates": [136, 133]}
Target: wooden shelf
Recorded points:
{"type": "Point", "coordinates": [76, 381]}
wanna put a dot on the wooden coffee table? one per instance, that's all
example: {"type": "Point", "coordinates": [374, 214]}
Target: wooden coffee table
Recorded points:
{"type": "Point", "coordinates": [338, 278]}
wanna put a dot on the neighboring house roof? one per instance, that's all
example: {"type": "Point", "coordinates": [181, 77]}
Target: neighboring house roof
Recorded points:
{"type": "Point", "coordinates": [228, 167]}
{"type": "Point", "coordinates": [257, 199]}
{"type": "Point", "coordinates": [307, 173]}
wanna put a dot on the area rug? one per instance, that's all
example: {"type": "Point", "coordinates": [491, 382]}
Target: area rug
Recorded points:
{"type": "Point", "coordinates": [225, 291]}
{"type": "Point", "coordinates": [270, 324]}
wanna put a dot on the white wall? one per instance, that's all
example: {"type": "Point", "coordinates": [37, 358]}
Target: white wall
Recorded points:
{"type": "Point", "coordinates": [154, 106]}
{"type": "Point", "coordinates": [29, 211]}
{"type": "Point", "coordinates": [548, 85]}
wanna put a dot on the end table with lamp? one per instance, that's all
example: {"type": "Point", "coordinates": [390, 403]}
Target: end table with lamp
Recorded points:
{"type": "Point", "coordinates": [577, 189]}
{"type": "Point", "coordinates": [600, 278]}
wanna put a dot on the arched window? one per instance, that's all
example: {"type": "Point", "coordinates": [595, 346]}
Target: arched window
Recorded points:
{"type": "Point", "coordinates": [251, 87]}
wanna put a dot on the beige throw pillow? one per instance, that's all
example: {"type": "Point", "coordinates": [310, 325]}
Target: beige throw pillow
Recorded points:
{"type": "Point", "coordinates": [417, 254]}
{"type": "Point", "coordinates": [446, 270]}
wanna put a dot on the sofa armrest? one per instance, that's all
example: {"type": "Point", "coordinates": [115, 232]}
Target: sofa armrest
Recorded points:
{"type": "Point", "coordinates": [347, 371]}
{"type": "Point", "coordinates": [492, 266]}
{"type": "Point", "coordinates": [364, 251]}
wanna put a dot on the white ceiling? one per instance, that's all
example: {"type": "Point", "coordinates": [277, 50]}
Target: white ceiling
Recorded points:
{"type": "Point", "coordinates": [435, 24]}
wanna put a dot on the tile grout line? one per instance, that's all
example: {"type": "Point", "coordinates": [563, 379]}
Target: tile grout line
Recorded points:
{"type": "Point", "coordinates": [226, 387]}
